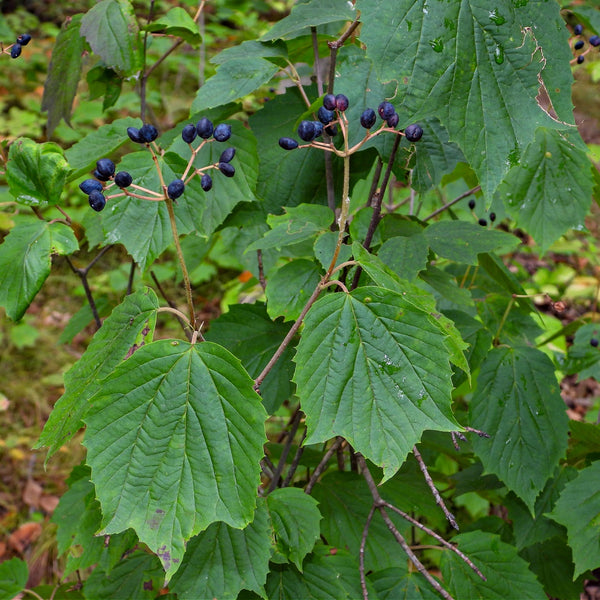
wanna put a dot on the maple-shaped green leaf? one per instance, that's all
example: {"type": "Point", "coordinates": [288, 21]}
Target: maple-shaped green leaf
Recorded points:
{"type": "Point", "coordinates": [13, 578]}
{"type": "Point", "coordinates": [36, 173]}
{"type": "Point", "coordinates": [247, 332]}
{"type": "Point", "coordinates": [578, 509]}
{"type": "Point", "coordinates": [63, 74]}
{"type": "Point", "coordinates": [177, 22]}
{"type": "Point", "coordinates": [175, 436]}
{"type": "Point", "coordinates": [222, 561]}
{"type": "Point", "coordinates": [25, 260]}
{"type": "Point", "coordinates": [130, 325]}
{"type": "Point", "coordinates": [111, 29]}
{"type": "Point", "coordinates": [478, 75]}
{"type": "Point", "coordinates": [295, 521]}
{"type": "Point", "coordinates": [518, 402]}
{"type": "Point", "coordinates": [78, 519]}
{"type": "Point", "coordinates": [507, 574]}
{"type": "Point", "coordinates": [550, 190]}
{"type": "Point", "coordinates": [372, 368]}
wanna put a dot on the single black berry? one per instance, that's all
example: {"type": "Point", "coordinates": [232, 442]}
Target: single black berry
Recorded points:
{"type": "Point", "coordinates": [594, 40]}
{"type": "Point", "coordinates": [492, 216]}
{"type": "Point", "coordinates": [386, 110]}
{"type": "Point", "coordinates": [222, 132]}
{"type": "Point", "coordinates": [206, 182]}
{"type": "Point", "coordinates": [123, 179]}
{"type": "Point", "coordinates": [205, 128]}
{"type": "Point", "coordinates": [578, 29]}
{"type": "Point", "coordinates": [594, 342]}
{"type": "Point", "coordinates": [105, 167]}
{"type": "Point", "coordinates": [134, 135]}
{"type": "Point", "coordinates": [482, 222]}
{"type": "Point", "coordinates": [97, 200]}
{"type": "Point", "coordinates": [89, 185]}
{"type": "Point", "coordinates": [148, 133]}
{"type": "Point", "coordinates": [288, 143]}
{"type": "Point", "coordinates": [175, 189]}
{"type": "Point", "coordinates": [188, 133]}
{"type": "Point", "coordinates": [306, 131]}
{"type": "Point", "coordinates": [99, 176]}
{"type": "Point", "coordinates": [471, 204]}
{"type": "Point", "coordinates": [580, 59]}
{"type": "Point", "coordinates": [325, 116]}
{"type": "Point", "coordinates": [368, 118]}
{"type": "Point", "coordinates": [413, 133]}
{"type": "Point", "coordinates": [393, 120]}
{"type": "Point", "coordinates": [318, 128]}
{"type": "Point", "coordinates": [341, 102]}
{"type": "Point", "coordinates": [329, 102]}
{"type": "Point", "coordinates": [331, 130]}
{"type": "Point", "coordinates": [579, 45]}
{"type": "Point", "coordinates": [23, 39]}
{"type": "Point", "coordinates": [227, 155]}
{"type": "Point", "coordinates": [15, 51]}
{"type": "Point", "coordinates": [227, 169]}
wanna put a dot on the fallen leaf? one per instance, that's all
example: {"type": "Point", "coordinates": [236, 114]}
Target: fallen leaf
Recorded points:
{"type": "Point", "coordinates": [32, 493]}
{"type": "Point", "coordinates": [24, 536]}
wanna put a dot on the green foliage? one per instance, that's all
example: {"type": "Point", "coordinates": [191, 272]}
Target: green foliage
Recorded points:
{"type": "Point", "coordinates": [354, 341]}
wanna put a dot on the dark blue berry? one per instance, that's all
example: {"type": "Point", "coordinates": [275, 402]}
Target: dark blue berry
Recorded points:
{"type": "Point", "coordinates": [89, 185]}
{"type": "Point", "coordinates": [413, 133]}
{"type": "Point", "coordinates": [578, 29]}
{"type": "Point", "coordinates": [594, 40]}
{"type": "Point", "coordinates": [471, 204]}
{"type": "Point", "coordinates": [148, 133]}
{"type": "Point", "coordinates": [341, 102]}
{"type": "Point", "coordinates": [205, 128]}
{"type": "Point", "coordinates": [134, 135]}
{"type": "Point", "coordinates": [23, 39]}
{"type": "Point", "coordinates": [306, 131]}
{"type": "Point", "coordinates": [188, 133]}
{"type": "Point", "coordinates": [222, 132]}
{"type": "Point", "coordinates": [123, 179]}
{"type": "Point", "coordinates": [331, 130]}
{"type": "Point", "coordinates": [492, 216]}
{"type": "Point", "coordinates": [206, 182]}
{"type": "Point", "coordinates": [580, 59]}
{"type": "Point", "coordinates": [227, 155]}
{"type": "Point", "coordinates": [105, 167]}
{"type": "Point", "coordinates": [386, 110]}
{"type": "Point", "coordinates": [288, 143]}
{"type": "Point", "coordinates": [318, 128]}
{"type": "Point", "coordinates": [227, 169]}
{"type": "Point", "coordinates": [97, 200]}
{"type": "Point", "coordinates": [579, 45]}
{"type": "Point", "coordinates": [175, 189]}
{"type": "Point", "coordinates": [368, 118]}
{"type": "Point", "coordinates": [329, 102]}
{"type": "Point", "coordinates": [15, 51]}
{"type": "Point", "coordinates": [325, 116]}
{"type": "Point", "coordinates": [594, 342]}
{"type": "Point", "coordinates": [99, 176]}
{"type": "Point", "coordinates": [482, 222]}
{"type": "Point", "coordinates": [393, 120]}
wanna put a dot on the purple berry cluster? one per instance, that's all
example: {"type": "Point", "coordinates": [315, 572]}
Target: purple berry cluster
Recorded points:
{"type": "Point", "coordinates": [15, 49]}
{"type": "Point", "coordinates": [579, 46]}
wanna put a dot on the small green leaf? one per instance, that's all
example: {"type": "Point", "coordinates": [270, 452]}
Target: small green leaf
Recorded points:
{"type": "Point", "coordinates": [578, 509]}
{"type": "Point", "coordinates": [550, 190]}
{"type": "Point", "coordinates": [63, 74]}
{"type": "Point", "coordinates": [372, 368]}
{"type": "Point", "coordinates": [111, 344]}
{"type": "Point", "coordinates": [462, 242]}
{"type": "Point", "coordinates": [398, 584]}
{"type": "Point", "coordinates": [310, 14]}
{"type": "Point", "coordinates": [177, 22]}
{"type": "Point", "coordinates": [111, 29]}
{"type": "Point", "coordinates": [527, 421]}
{"type": "Point", "coordinates": [25, 261]}
{"type": "Point", "coordinates": [13, 578]}
{"type": "Point", "coordinates": [36, 173]}
{"type": "Point", "coordinates": [174, 436]}
{"type": "Point", "coordinates": [506, 572]}
{"type": "Point", "coordinates": [324, 247]}
{"type": "Point", "coordinates": [222, 561]}
{"type": "Point", "coordinates": [406, 256]}
{"type": "Point", "coordinates": [248, 333]}
{"type": "Point", "coordinates": [234, 79]}
{"type": "Point", "coordinates": [295, 521]}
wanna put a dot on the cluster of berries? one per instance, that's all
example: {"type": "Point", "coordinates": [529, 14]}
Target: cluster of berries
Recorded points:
{"type": "Point", "coordinates": [105, 168]}
{"type": "Point", "coordinates": [332, 113]}
{"type": "Point", "coordinates": [579, 44]}
{"type": "Point", "coordinates": [15, 50]}
{"type": "Point", "coordinates": [483, 222]}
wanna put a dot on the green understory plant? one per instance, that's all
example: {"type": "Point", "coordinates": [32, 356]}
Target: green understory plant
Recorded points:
{"type": "Point", "coordinates": [391, 383]}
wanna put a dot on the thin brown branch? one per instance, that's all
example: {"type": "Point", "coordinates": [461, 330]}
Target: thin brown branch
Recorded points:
{"type": "Point", "coordinates": [361, 552]}
{"type": "Point", "coordinates": [323, 464]}
{"type": "Point", "coordinates": [285, 452]}
{"type": "Point", "coordinates": [335, 46]}
{"type": "Point", "coordinates": [436, 212]}
{"type": "Point", "coordinates": [295, 462]}
{"type": "Point", "coordinates": [261, 270]}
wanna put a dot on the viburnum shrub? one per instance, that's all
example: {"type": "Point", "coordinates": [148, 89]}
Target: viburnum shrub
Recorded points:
{"type": "Point", "coordinates": [390, 382]}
